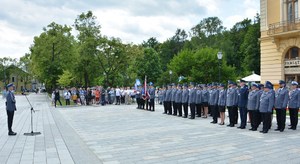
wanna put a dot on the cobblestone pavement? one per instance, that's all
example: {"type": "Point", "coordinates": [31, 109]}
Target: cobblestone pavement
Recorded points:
{"type": "Point", "coordinates": [123, 134]}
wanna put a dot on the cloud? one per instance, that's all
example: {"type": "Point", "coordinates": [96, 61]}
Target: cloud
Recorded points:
{"type": "Point", "coordinates": [130, 20]}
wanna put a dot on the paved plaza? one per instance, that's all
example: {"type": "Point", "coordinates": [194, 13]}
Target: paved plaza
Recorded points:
{"type": "Point", "coordinates": [123, 134]}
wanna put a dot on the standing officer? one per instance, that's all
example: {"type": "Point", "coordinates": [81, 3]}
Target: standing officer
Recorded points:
{"type": "Point", "coordinates": [222, 103]}
{"type": "Point", "coordinates": [168, 99]}
{"type": "Point", "coordinates": [242, 103]}
{"type": "Point", "coordinates": [231, 102]}
{"type": "Point", "coordinates": [253, 105]}
{"type": "Point", "coordinates": [204, 100]}
{"type": "Point", "coordinates": [178, 98]}
{"type": "Point", "coordinates": [267, 100]}
{"type": "Point", "coordinates": [185, 100]}
{"type": "Point", "coordinates": [294, 104]}
{"type": "Point", "coordinates": [163, 96]}
{"type": "Point", "coordinates": [281, 100]}
{"type": "Point", "coordinates": [173, 96]}
{"type": "Point", "coordinates": [152, 97]}
{"type": "Point", "coordinates": [198, 100]}
{"type": "Point", "coordinates": [10, 108]}
{"type": "Point", "coordinates": [138, 97]}
{"type": "Point", "coordinates": [192, 100]}
{"type": "Point", "coordinates": [213, 102]}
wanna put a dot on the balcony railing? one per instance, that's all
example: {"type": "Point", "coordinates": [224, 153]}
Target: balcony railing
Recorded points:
{"type": "Point", "coordinates": [284, 26]}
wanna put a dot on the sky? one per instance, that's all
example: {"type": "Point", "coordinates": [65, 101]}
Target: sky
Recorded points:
{"type": "Point", "coordinates": [133, 21]}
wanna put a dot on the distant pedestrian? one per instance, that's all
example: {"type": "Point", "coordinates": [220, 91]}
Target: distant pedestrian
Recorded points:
{"type": "Point", "coordinates": [57, 98]}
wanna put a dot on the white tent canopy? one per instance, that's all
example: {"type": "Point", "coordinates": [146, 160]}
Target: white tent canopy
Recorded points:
{"type": "Point", "coordinates": [252, 78]}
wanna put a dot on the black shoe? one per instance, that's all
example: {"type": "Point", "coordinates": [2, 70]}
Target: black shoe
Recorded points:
{"type": "Point", "coordinates": [213, 122]}
{"type": "Point", "coordinates": [174, 114]}
{"type": "Point", "coordinates": [251, 128]}
{"type": "Point", "coordinates": [292, 128]}
{"type": "Point", "coordinates": [198, 115]}
{"type": "Point", "coordinates": [192, 118]}
{"type": "Point", "coordinates": [12, 133]}
{"type": "Point", "coordinates": [179, 115]}
{"type": "Point", "coordinates": [264, 132]}
{"type": "Point", "coordinates": [184, 117]}
{"type": "Point", "coordinates": [243, 127]}
{"type": "Point", "coordinates": [239, 127]}
{"type": "Point", "coordinates": [204, 117]}
{"type": "Point", "coordinates": [281, 130]}
{"type": "Point", "coordinates": [221, 124]}
{"type": "Point", "coordinates": [277, 129]}
{"type": "Point", "coordinates": [169, 114]}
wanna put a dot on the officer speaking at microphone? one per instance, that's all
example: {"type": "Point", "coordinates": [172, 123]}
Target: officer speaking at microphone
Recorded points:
{"type": "Point", "coordinates": [10, 108]}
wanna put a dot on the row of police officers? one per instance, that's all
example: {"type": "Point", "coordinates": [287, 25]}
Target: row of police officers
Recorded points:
{"type": "Point", "coordinates": [259, 101]}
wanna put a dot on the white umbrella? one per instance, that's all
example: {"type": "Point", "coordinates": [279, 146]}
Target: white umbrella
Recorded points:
{"type": "Point", "coordinates": [252, 78]}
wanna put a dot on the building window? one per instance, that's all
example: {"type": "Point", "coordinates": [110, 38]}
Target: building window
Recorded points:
{"type": "Point", "coordinates": [12, 79]}
{"type": "Point", "coordinates": [292, 10]}
{"type": "Point", "coordinates": [293, 53]}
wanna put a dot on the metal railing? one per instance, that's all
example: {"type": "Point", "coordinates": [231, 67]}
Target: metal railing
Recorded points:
{"type": "Point", "coordinates": [284, 26]}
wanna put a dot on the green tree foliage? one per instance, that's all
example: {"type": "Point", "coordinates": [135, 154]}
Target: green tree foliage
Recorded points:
{"type": "Point", "coordinates": [66, 78]}
{"type": "Point", "coordinates": [149, 65]}
{"type": "Point", "coordinates": [50, 53]}
{"type": "Point", "coordinates": [200, 66]}
{"type": "Point", "coordinates": [88, 39]}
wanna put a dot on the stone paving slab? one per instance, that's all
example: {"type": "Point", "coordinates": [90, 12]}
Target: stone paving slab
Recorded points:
{"type": "Point", "coordinates": [123, 134]}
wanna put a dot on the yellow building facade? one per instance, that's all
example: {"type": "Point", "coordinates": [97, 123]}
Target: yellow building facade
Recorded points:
{"type": "Point", "coordinates": [280, 40]}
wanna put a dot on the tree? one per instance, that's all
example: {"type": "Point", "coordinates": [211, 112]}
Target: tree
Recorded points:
{"type": "Point", "coordinates": [88, 39]}
{"type": "Point", "coordinates": [51, 53]}
{"type": "Point", "coordinates": [149, 65]}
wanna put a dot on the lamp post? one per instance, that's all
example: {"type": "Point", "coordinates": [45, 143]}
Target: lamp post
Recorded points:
{"type": "Point", "coordinates": [170, 72]}
{"type": "Point", "coordinates": [219, 55]}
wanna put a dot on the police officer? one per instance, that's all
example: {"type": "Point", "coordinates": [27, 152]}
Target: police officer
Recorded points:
{"type": "Point", "coordinates": [168, 99]}
{"type": "Point", "coordinates": [267, 100]}
{"type": "Point", "coordinates": [173, 96]}
{"type": "Point", "coordinates": [178, 98]}
{"type": "Point", "coordinates": [10, 108]}
{"type": "Point", "coordinates": [152, 97]}
{"type": "Point", "coordinates": [281, 100]}
{"type": "Point", "coordinates": [294, 104]}
{"type": "Point", "coordinates": [222, 103]}
{"type": "Point", "coordinates": [192, 100]}
{"type": "Point", "coordinates": [231, 102]}
{"type": "Point", "coordinates": [213, 102]}
{"type": "Point", "coordinates": [204, 100]}
{"type": "Point", "coordinates": [138, 97]}
{"type": "Point", "coordinates": [242, 103]}
{"type": "Point", "coordinates": [198, 100]}
{"type": "Point", "coordinates": [185, 100]}
{"type": "Point", "coordinates": [253, 105]}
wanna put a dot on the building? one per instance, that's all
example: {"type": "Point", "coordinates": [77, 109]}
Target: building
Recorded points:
{"type": "Point", "coordinates": [280, 40]}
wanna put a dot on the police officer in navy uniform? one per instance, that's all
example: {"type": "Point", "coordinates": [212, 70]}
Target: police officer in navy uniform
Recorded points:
{"type": "Point", "coordinates": [267, 101]}
{"type": "Point", "coordinates": [253, 105]}
{"type": "Point", "coordinates": [168, 99]}
{"type": "Point", "coordinates": [281, 101]}
{"type": "Point", "coordinates": [152, 97]}
{"type": "Point", "coordinates": [294, 104]}
{"type": "Point", "coordinates": [163, 95]}
{"type": "Point", "coordinates": [242, 103]}
{"type": "Point", "coordinates": [10, 108]}
{"type": "Point", "coordinates": [138, 97]}
{"type": "Point", "coordinates": [213, 102]}
{"type": "Point", "coordinates": [192, 100]}
{"type": "Point", "coordinates": [204, 99]}
{"type": "Point", "coordinates": [231, 102]}
{"type": "Point", "coordinates": [178, 99]}
{"type": "Point", "coordinates": [185, 100]}
{"type": "Point", "coordinates": [222, 103]}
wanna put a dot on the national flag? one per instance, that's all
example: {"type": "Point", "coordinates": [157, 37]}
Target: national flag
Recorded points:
{"type": "Point", "coordinates": [145, 89]}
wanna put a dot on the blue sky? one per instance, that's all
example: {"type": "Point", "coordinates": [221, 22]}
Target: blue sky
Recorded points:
{"type": "Point", "coordinates": [131, 20]}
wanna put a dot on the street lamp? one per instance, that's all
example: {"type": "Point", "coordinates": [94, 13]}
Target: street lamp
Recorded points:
{"type": "Point", "coordinates": [170, 72]}
{"type": "Point", "coordinates": [219, 55]}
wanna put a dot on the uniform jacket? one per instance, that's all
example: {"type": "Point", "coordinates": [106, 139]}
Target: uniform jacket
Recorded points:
{"type": "Point", "coordinates": [192, 96]}
{"type": "Point", "coordinates": [198, 96]}
{"type": "Point", "coordinates": [243, 96]}
{"type": "Point", "coordinates": [222, 97]}
{"type": "Point", "coordinates": [163, 95]}
{"type": "Point", "coordinates": [281, 98]}
{"type": "Point", "coordinates": [204, 95]}
{"type": "Point", "coordinates": [185, 96]}
{"type": "Point", "coordinates": [178, 96]}
{"type": "Point", "coordinates": [174, 90]}
{"type": "Point", "coordinates": [152, 93]}
{"type": "Point", "coordinates": [214, 96]}
{"type": "Point", "coordinates": [10, 102]}
{"type": "Point", "coordinates": [294, 100]}
{"type": "Point", "coordinates": [253, 100]}
{"type": "Point", "coordinates": [168, 95]}
{"type": "Point", "coordinates": [232, 97]}
{"type": "Point", "coordinates": [267, 100]}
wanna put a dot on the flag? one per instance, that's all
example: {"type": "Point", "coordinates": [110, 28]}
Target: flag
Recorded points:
{"type": "Point", "coordinates": [137, 83]}
{"type": "Point", "coordinates": [145, 89]}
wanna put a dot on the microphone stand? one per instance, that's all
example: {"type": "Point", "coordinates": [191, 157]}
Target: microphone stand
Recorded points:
{"type": "Point", "coordinates": [31, 110]}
